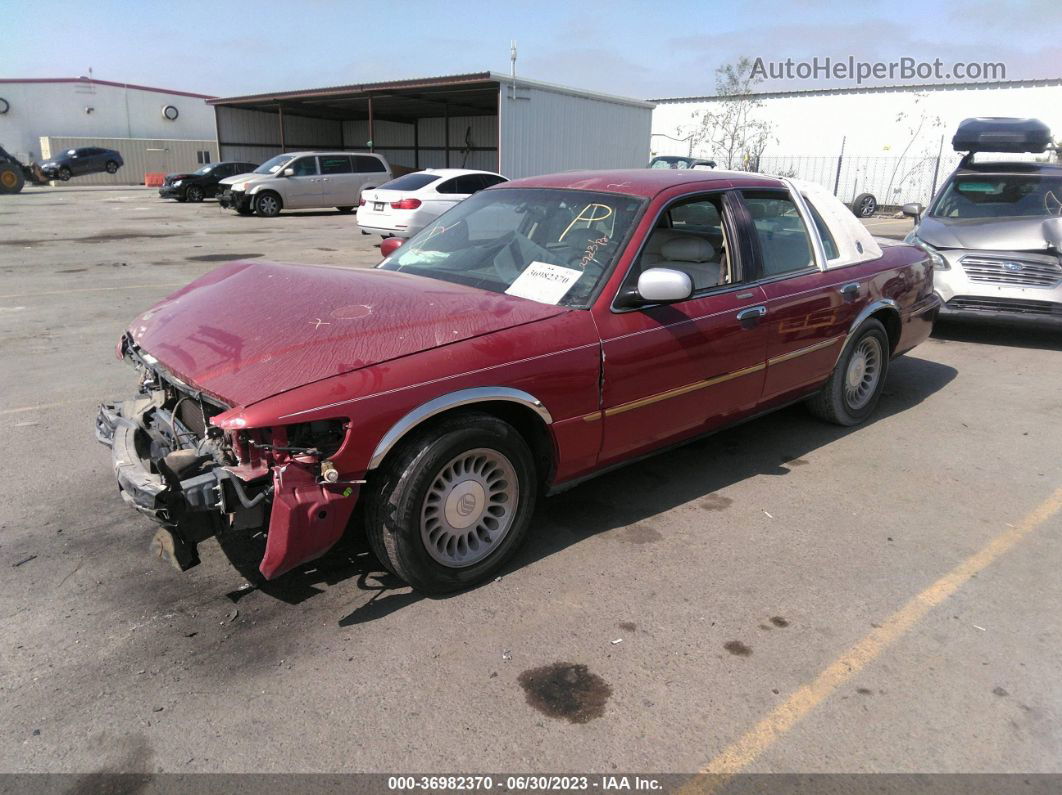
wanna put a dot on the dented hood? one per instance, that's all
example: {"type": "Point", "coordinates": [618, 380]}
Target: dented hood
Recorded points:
{"type": "Point", "coordinates": [250, 330]}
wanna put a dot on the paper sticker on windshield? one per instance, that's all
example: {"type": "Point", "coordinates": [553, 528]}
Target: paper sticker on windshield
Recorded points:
{"type": "Point", "coordinates": [544, 283]}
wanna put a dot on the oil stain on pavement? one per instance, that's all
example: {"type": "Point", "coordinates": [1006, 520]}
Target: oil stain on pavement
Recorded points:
{"type": "Point", "coordinates": [566, 690]}
{"type": "Point", "coordinates": [737, 648]}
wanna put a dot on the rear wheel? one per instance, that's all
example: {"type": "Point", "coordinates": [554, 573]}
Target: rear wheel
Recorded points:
{"type": "Point", "coordinates": [345, 209]}
{"type": "Point", "coordinates": [11, 178]}
{"type": "Point", "coordinates": [193, 193]}
{"type": "Point", "coordinates": [267, 204]}
{"type": "Point", "coordinates": [64, 174]}
{"type": "Point", "coordinates": [852, 392]}
{"type": "Point", "coordinates": [112, 167]}
{"type": "Point", "coordinates": [453, 503]}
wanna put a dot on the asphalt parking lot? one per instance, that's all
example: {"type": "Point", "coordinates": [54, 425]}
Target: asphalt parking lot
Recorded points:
{"type": "Point", "coordinates": [783, 596]}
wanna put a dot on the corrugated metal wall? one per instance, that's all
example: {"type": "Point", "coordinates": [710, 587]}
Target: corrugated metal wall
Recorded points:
{"type": "Point", "coordinates": [395, 141]}
{"type": "Point", "coordinates": [141, 156]}
{"type": "Point", "coordinates": [544, 131]}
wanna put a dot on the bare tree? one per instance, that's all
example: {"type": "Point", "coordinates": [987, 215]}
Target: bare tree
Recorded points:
{"type": "Point", "coordinates": [730, 126]}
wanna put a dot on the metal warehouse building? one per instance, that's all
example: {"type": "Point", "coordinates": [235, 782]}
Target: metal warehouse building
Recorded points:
{"type": "Point", "coordinates": [484, 120]}
{"type": "Point", "coordinates": [891, 141]}
{"type": "Point", "coordinates": [155, 129]}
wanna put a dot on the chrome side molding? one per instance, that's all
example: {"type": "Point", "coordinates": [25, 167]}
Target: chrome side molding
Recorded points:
{"type": "Point", "coordinates": [463, 397]}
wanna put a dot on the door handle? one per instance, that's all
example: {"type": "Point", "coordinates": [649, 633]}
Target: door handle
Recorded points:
{"type": "Point", "coordinates": [850, 291]}
{"type": "Point", "coordinates": [752, 314]}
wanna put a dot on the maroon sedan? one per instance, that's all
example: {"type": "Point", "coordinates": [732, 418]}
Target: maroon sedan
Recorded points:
{"type": "Point", "coordinates": [537, 334]}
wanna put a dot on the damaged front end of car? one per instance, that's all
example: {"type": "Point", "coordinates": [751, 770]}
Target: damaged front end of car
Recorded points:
{"type": "Point", "coordinates": [188, 461]}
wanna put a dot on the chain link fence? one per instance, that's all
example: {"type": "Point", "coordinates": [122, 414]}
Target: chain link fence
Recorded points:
{"type": "Point", "coordinates": [892, 181]}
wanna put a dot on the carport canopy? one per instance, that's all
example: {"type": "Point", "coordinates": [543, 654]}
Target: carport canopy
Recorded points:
{"type": "Point", "coordinates": [378, 106]}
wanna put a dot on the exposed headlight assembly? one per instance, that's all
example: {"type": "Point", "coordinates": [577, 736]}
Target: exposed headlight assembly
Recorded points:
{"type": "Point", "coordinates": [177, 183]}
{"type": "Point", "coordinates": [939, 263]}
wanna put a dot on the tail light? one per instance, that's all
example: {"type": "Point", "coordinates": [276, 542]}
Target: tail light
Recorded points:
{"type": "Point", "coordinates": [361, 202]}
{"type": "Point", "coordinates": [405, 204]}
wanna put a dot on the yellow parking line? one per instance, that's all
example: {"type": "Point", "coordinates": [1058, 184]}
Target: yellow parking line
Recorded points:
{"type": "Point", "coordinates": [94, 289]}
{"type": "Point", "coordinates": [740, 754]}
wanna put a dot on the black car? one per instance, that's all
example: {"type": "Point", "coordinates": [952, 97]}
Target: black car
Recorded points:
{"type": "Point", "coordinates": [201, 184]}
{"type": "Point", "coordinates": [78, 162]}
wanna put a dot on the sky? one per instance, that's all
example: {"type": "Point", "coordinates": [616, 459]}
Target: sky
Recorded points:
{"type": "Point", "coordinates": [644, 50]}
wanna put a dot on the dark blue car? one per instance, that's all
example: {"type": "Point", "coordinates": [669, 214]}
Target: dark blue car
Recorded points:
{"type": "Point", "coordinates": [86, 160]}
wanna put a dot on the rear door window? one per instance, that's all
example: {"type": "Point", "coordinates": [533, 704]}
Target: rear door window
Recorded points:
{"type": "Point", "coordinates": [828, 244]}
{"type": "Point", "coordinates": [335, 164]}
{"type": "Point", "coordinates": [785, 247]}
{"type": "Point", "coordinates": [449, 186]}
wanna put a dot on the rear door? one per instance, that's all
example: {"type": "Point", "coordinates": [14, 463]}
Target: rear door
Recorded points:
{"type": "Point", "coordinates": [676, 370]}
{"type": "Point", "coordinates": [809, 309]}
{"type": "Point", "coordinates": [85, 161]}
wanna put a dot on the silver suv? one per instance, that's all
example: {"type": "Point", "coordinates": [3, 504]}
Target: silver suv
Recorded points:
{"type": "Point", "coordinates": [994, 231]}
{"type": "Point", "coordinates": [305, 180]}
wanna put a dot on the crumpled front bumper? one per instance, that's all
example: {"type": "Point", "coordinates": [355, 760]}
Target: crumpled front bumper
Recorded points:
{"type": "Point", "coordinates": [236, 200]}
{"type": "Point", "coordinates": [303, 517]}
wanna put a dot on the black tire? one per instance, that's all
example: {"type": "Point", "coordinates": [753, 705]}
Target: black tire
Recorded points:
{"type": "Point", "coordinates": [399, 490]}
{"type": "Point", "coordinates": [112, 167]}
{"type": "Point", "coordinates": [64, 174]}
{"type": "Point", "coordinates": [243, 210]}
{"type": "Point", "coordinates": [835, 403]}
{"type": "Point", "coordinates": [193, 193]}
{"type": "Point", "coordinates": [12, 180]}
{"type": "Point", "coordinates": [345, 209]}
{"type": "Point", "coordinates": [865, 205]}
{"type": "Point", "coordinates": [267, 204]}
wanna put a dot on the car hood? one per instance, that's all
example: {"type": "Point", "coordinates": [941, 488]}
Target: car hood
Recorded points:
{"type": "Point", "coordinates": [179, 176]}
{"type": "Point", "coordinates": [250, 175]}
{"type": "Point", "coordinates": [250, 330]}
{"type": "Point", "coordinates": [1001, 234]}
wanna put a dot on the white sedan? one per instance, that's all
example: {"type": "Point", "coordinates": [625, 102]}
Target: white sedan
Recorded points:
{"type": "Point", "coordinates": [404, 206]}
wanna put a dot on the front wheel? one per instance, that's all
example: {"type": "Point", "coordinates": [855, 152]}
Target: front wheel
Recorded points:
{"type": "Point", "coordinates": [194, 193]}
{"type": "Point", "coordinates": [345, 209]}
{"type": "Point", "coordinates": [64, 174]}
{"type": "Point", "coordinates": [453, 503]}
{"type": "Point", "coordinates": [267, 205]}
{"type": "Point", "coordinates": [853, 390]}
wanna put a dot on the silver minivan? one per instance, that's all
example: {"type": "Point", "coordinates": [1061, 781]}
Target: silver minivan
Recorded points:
{"type": "Point", "coordinates": [305, 180]}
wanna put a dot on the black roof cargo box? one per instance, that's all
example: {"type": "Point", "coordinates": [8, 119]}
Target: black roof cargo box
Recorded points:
{"type": "Point", "coordinates": [999, 134]}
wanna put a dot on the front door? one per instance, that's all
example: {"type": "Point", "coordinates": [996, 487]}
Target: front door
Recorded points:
{"type": "Point", "coordinates": [673, 371]}
{"type": "Point", "coordinates": [304, 187]}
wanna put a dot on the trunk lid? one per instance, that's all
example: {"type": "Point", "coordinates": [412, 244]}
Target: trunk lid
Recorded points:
{"type": "Point", "coordinates": [250, 330]}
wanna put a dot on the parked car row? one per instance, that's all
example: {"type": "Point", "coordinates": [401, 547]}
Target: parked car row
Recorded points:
{"type": "Point", "coordinates": [204, 183]}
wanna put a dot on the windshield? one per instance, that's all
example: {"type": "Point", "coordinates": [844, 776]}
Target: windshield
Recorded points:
{"type": "Point", "coordinates": [670, 162]}
{"type": "Point", "coordinates": [1000, 196]}
{"type": "Point", "coordinates": [272, 165]}
{"type": "Point", "coordinates": [549, 245]}
{"type": "Point", "coordinates": [203, 171]}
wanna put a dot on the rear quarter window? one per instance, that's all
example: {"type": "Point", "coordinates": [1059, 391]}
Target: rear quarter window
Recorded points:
{"type": "Point", "coordinates": [366, 164]}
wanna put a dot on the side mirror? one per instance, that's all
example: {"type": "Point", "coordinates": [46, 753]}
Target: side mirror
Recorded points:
{"type": "Point", "coordinates": [659, 286]}
{"type": "Point", "coordinates": [388, 246]}
{"type": "Point", "coordinates": [913, 210]}
{"type": "Point", "coordinates": [289, 172]}
{"type": "Point", "coordinates": [1052, 229]}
